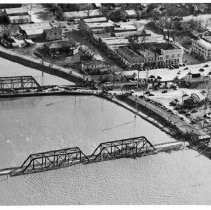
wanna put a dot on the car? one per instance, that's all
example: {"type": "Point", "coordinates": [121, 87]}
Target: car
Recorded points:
{"type": "Point", "coordinates": [164, 91]}
{"type": "Point", "coordinates": [151, 94]}
{"type": "Point", "coordinates": [186, 68]}
{"type": "Point", "coordinates": [206, 65]}
{"type": "Point", "coordinates": [194, 111]}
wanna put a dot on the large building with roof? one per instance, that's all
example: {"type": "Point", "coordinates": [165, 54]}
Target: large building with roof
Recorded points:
{"type": "Point", "coordinates": [202, 47]}
{"type": "Point", "coordinates": [18, 15]}
{"type": "Point", "coordinates": [96, 26]}
{"type": "Point", "coordinates": [44, 30]}
{"type": "Point", "coordinates": [148, 54]}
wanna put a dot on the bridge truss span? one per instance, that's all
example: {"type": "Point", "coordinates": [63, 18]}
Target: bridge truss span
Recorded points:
{"type": "Point", "coordinates": [18, 82]}
{"type": "Point", "coordinates": [51, 160]}
{"type": "Point", "coordinates": [131, 147]}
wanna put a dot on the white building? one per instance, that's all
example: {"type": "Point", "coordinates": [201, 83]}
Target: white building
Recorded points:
{"type": "Point", "coordinates": [202, 47]}
{"type": "Point", "coordinates": [150, 54]}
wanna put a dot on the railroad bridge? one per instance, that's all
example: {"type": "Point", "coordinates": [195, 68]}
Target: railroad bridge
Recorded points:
{"type": "Point", "coordinates": [17, 83]}
{"type": "Point", "coordinates": [125, 148]}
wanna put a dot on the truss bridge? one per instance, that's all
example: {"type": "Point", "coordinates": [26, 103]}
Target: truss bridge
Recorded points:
{"type": "Point", "coordinates": [125, 148]}
{"type": "Point", "coordinates": [17, 83]}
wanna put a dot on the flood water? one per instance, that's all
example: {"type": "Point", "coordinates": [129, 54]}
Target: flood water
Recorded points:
{"type": "Point", "coordinates": [37, 124]}
{"type": "Point", "coordinates": [8, 69]}
{"type": "Point", "coordinates": [44, 123]}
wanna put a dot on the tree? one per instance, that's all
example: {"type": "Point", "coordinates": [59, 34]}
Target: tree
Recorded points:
{"type": "Point", "coordinates": [4, 19]}
{"type": "Point", "coordinates": [117, 15]}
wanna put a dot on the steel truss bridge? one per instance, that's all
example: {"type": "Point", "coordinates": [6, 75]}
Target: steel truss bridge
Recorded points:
{"type": "Point", "coordinates": [17, 83]}
{"type": "Point", "coordinates": [126, 148]}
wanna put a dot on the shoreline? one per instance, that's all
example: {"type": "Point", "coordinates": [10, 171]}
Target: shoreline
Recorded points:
{"type": "Point", "coordinates": [68, 74]}
{"type": "Point", "coordinates": [164, 125]}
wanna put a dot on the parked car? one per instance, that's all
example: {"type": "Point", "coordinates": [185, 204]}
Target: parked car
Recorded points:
{"type": "Point", "coordinates": [164, 91]}
{"type": "Point", "coordinates": [206, 65]}
{"type": "Point", "coordinates": [151, 94]}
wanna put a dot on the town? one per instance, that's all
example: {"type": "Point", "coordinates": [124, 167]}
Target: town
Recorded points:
{"type": "Point", "coordinates": [152, 59]}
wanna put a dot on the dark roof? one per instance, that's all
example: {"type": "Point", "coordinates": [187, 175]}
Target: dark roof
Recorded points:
{"type": "Point", "coordinates": [58, 44]}
{"type": "Point", "coordinates": [154, 47]}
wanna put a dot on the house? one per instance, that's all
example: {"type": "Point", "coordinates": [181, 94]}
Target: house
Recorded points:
{"type": "Point", "coordinates": [43, 30]}
{"type": "Point", "coordinates": [58, 47]}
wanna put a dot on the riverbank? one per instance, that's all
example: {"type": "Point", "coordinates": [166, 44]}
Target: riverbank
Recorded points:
{"type": "Point", "coordinates": [169, 123]}
{"type": "Point", "coordinates": [68, 74]}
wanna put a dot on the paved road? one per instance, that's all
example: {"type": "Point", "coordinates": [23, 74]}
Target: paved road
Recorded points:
{"type": "Point", "coordinates": [173, 119]}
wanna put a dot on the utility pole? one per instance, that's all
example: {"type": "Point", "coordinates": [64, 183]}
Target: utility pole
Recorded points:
{"type": "Point", "coordinates": [136, 97]}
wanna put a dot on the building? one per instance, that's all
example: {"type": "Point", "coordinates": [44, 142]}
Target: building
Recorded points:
{"type": "Point", "coordinates": [192, 101]}
{"type": "Point", "coordinates": [92, 65]}
{"type": "Point", "coordinates": [44, 30]}
{"type": "Point", "coordinates": [58, 47]}
{"type": "Point", "coordinates": [95, 20]}
{"type": "Point", "coordinates": [83, 14]}
{"type": "Point", "coordinates": [16, 11]}
{"type": "Point", "coordinates": [96, 27]}
{"type": "Point", "coordinates": [124, 27]}
{"type": "Point", "coordinates": [148, 54]}
{"type": "Point", "coordinates": [131, 13]}
{"type": "Point", "coordinates": [20, 19]}
{"type": "Point", "coordinates": [202, 47]}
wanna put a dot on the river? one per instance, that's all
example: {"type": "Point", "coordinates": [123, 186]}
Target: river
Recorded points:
{"type": "Point", "coordinates": [38, 124]}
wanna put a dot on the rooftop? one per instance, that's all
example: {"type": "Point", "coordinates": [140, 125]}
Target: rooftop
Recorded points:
{"type": "Point", "coordinates": [83, 13]}
{"type": "Point", "coordinates": [100, 25]}
{"type": "Point", "coordinates": [129, 51]}
{"type": "Point", "coordinates": [204, 43]}
{"type": "Point", "coordinates": [125, 27]}
{"type": "Point", "coordinates": [95, 20]}
{"type": "Point", "coordinates": [130, 12]}
{"type": "Point", "coordinates": [115, 41]}
{"type": "Point", "coordinates": [156, 48]}
{"type": "Point", "coordinates": [12, 11]}
{"type": "Point", "coordinates": [19, 17]}
{"type": "Point", "coordinates": [58, 44]}
{"type": "Point", "coordinates": [43, 25]}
